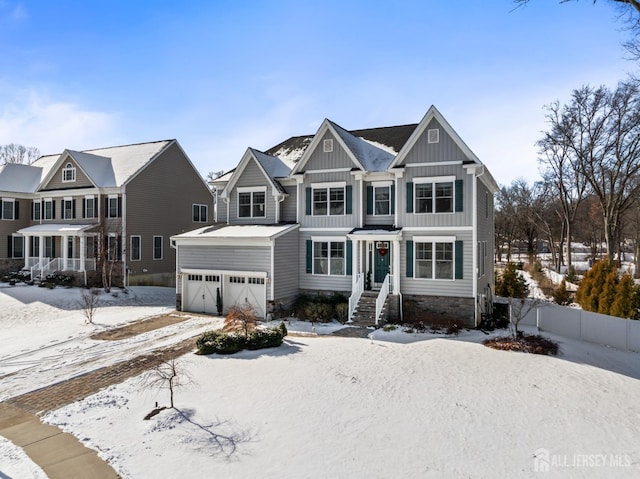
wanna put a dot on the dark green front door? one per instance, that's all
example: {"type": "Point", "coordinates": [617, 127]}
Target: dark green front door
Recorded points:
{"type": "Point", "coordinates": [381, 265]}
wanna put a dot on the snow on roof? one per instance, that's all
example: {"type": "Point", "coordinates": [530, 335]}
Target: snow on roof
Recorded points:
{"type": "Point", "coordinates": [371, 157]}
{"type": "Point", "coordinates": [53, 228]}
{"type": "Point", "coordinates": [237, 231]}
{"type": "Point", "coordinates": [98, 168]}
{"type": "Point", "coordinates": [273, 166]}
{"type": "Point", "coordinates": [19, 178]}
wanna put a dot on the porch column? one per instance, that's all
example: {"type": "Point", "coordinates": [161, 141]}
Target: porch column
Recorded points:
{"type": "Point", "coordinates": [27, 250]}
{"type": "Point", "coordinates": [396, 266]}
{"type": "Point", "coordinates": [83, 252]}
{"type": "Point", "coordinates": [40, 249]}
{"type": "Point", "coordinates": [65, 251]}
{"type": "Point", "coordinates": [354, 262]}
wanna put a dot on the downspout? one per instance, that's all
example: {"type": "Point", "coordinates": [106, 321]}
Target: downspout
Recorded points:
{"type": "Point", "coordinates": [474, 246]}
{"type": "Point", "coordinates": [125, 276]}
{"type": "Point", "coordinates": [279, 200]}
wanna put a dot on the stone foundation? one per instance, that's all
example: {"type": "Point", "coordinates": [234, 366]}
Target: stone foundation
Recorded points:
{"type": "Point", "coordinates": [439, 310]}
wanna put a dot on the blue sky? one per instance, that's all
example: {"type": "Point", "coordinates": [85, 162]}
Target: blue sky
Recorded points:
{"type": "Point", "coordinates": [221, 76]}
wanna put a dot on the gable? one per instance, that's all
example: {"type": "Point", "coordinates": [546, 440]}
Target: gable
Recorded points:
{"type": "Point", "coordinates": [56, 180]}
{"type": "Point", "coordinates": [434, 145]}
{"type": "Point", "coordinates": [252, 175]}
{"type": "Point", "coordinates": [338, 158]}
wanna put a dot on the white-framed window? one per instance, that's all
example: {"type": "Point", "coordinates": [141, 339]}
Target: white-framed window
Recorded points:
{"type": "Point", "coordinates": [113, 209]}
{"type": "Point", "coordinates": [49, 209]}
{"type": "Point", "coordinates": [329, 257]}
{"type": "Point", "coordinates": [434, 195]}
{"type": "Point", "coordinates": [8, 209]}
{"type": "Point", "coordinates": [68, 173]}
{"type": "Point", "coordinates": [68, 209]}
{"type": "Point", "coordinates": [382, 200]}
{"type": "Point", "coordinates": [328, 200]}
{"type": "Point", "coordinates": [157, 247]}
{"type": "Point", "coordinates": [16, 246]}
{"type": "Point", "coordinates": [36, 210]}
{"type": "Point", "coordinates": [434, 258]}
{"type": "Point", "coordinates": [200, 213]}
{"type": "Point", "coordinates": [90, 207]}
{"type": "Point", "coordinates": [252, 202]}
{"type": "Point", "coordinates": [134, 252]}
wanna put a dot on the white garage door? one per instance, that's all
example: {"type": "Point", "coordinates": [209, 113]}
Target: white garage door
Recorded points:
{"type": "Point", "coordinates": [240, 289]}
{"type": "Point", "coordinates": [200, 291]}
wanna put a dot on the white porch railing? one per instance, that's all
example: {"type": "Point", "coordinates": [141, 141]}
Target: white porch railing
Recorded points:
{"type": "Point", "coordinates": [358, 288]}
{"type": "Point", "coordinates": [35, 265]}
{"type": "Point", "coordinates": [382, 296]}
{"type": "Point", "coordinates": [53, 265]}
{"type": "Point", "coordinates": [48, 265]}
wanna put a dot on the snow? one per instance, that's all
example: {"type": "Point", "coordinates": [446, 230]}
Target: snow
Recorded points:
{"type": "Point", "coordinates": [398, 404]}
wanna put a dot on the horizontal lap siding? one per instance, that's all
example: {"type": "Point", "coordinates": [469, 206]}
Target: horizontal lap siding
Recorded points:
{"type": "Point", "coordinates": [252, 176]}
{"type": "Point", "coordinates": [320, 282]}
{"type": "Point", "coordinates": [285, 264]}
{"type": "Point", "coordinates": [459, 287]}
{"type": "Point", "coordinates": [232, 258]}
{"type": "Point", "coordinates": [288, 206]}
{"type": "Point", "coordinates": [56, 182]}
{"type": "Point", "coordinates": [329, 221]}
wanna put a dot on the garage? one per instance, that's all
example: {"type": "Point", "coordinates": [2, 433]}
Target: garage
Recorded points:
{"type": "Point", "coordinates": [199, 290]}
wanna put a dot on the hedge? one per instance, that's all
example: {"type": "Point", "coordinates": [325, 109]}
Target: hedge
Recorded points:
{"type": "Point", "coordinates": [228, 343]}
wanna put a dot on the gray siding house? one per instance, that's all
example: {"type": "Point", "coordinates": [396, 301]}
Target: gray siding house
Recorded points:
{"type": "Point", "coordinates": [406, 211]}
{"type": "Point", "coordinates": [120, 204]}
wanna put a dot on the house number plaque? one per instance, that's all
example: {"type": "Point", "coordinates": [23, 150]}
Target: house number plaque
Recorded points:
{"type": "Point", "coordinates": [382, 247]}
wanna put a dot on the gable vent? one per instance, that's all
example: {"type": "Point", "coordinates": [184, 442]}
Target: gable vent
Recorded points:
{"type": "Point", "coordinates": [433, 136]}
{"type": "Point", "coordinates": [327, 146]}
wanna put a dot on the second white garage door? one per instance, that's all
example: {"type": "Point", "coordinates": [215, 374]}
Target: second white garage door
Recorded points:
{"type": "Point", "coordinates": [243, 288]}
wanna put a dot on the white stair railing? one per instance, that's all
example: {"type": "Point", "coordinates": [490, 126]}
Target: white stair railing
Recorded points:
{"type": "Point", "coordinates": [358, 288]}
{"type": "Point", "coordinates": [382, 296]}
{"type": "Point", "coordinates": [36, 269]}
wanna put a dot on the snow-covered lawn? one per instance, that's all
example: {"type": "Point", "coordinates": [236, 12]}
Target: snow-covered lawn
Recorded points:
{"type": "Point", "coordinates": [396, 405]}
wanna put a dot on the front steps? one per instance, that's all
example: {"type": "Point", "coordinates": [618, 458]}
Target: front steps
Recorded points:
{"type": "Point", "coordinates": [365, 312]}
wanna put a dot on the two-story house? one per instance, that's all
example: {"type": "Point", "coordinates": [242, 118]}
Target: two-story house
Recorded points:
{"type": "Point", "coordinates": [406, 211]}
{"type": "Point", "coordinates": [71, 212]}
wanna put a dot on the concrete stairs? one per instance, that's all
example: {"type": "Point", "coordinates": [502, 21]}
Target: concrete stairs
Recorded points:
{"type": "Point", "coordinates": [365, 311]}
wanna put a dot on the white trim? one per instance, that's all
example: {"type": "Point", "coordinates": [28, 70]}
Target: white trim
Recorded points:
{"type": "Point", "coordinates": [69, 167]}
{"type": "Point", "coordinates": [410, 229]}
{"type": "Point", "coordinates": [327, 145]}
{"type": "Point", "coordinates": [327, 170]}
{"type": "Point", "coordinates": [435, 163]}
{"type": "Point", "coordinates": [381, 184]}
{"type": "Point", "coordinates": [324, 239]}
{"type": "Point", "coordinates": [111, 196]}
{"type": "Point", "coordinates": [332, 184]}
{"type": "Point", "coordinates": [224, 272]}
{"type": "Point", "coordinates": [434, 239]}
{"type": "Point", "coordinates": [433, 179]}
{"type": "Point", "coordinates": [346, 230]}
{"type": "Point", "coordinates": [139, 248]}
{"type": "Point", "coordinates": [329, 240]}
{"type": "Point", "coordinates": [250, 189]}
{"type": "Point", "coordinates": [251, 204]}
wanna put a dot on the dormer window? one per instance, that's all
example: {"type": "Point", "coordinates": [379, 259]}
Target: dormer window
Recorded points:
{"type": "Point", "coordinates": [68, 173]}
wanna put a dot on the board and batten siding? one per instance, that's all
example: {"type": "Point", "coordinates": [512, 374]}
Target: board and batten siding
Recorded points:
{"type": "Point", "coordinates": [288, 206]}
{"type": "Point", "coordinates": [285, 270]}
{"type": "Point", "coordinates": [330, 221]}
{"type": "Point", "coordinates": [486, 232]}
{"type": "Point", "coordinates": [56, 183]}
{"type": "Point", "coordinates": [444, 150]}
{"type": "Point", "coordinates": [369, 205]}
{"type": "Point", "coordinates": [320, 282]}
{"type": "Point", "coordinates": [252, 176]}
{"type": "Point", "coordinates": [338, 158]}
{"type": "Point", "coordinates": [159, 201]}
{"type": "Point", "coordinates": [431, 287]}
{"type": "Point", "coordinates": [457, 218]}
{"type": "Point", "coordinates": [221, 257]}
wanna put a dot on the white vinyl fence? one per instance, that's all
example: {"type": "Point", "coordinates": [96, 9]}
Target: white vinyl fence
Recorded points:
{"type": "Point", "coordinates": [578, 324]}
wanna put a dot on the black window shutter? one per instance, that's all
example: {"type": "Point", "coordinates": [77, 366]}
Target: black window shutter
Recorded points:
{"type": "Point", "coordinates": [308, 200]}
{"type": "Point", "coordinates": [1, 209]}
{"type": "Point", "coordinates": [349, 256]}
{"type": "Point", "coordinates": [309, 256]}
{"type": "Point", "coordinates": [73, 208]}
{"type": "Point", "coordinates": [119, 207]}
{"type": "Point", "coordinates": [409, 187]}
{"type": "Point", "coordinates": [106, 207]}
{"type": "Point", "coordinates": [459, 195]}
{"type": "Point", "coordinates": [369, 200]}
{"type": "Point", "coordinates": [53, 210]}
{"type": "Point", "coordinates": [16, 213]}
{"type": "Point", "coordinates": [409, 259]}
{"type": "Point", "coordinates": [84, 208]}
{"type": "Point", "coordinates": [393, 199]}
{"type": "Point", "coordinates": [53, 246]}
{"type": "Point", "coordinates": [10, 247]}
{"type": "Point", "coordinates": [459, 259]}
{"type": "Point", "coordinates": [348, 199]}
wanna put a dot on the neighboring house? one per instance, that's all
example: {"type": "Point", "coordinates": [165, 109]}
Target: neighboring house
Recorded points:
{"type": "Point", "coordinates": [66, 212]}
{"type": "Point", "coordinates": [406, 210]}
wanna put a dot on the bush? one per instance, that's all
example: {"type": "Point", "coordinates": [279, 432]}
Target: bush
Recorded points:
{"type": "Point", "coordinates": [220, 342]}
{"type": "Point", "coordinates": [561, 296]}
{"type": "Point", "coordinates": [264, 338]}
{"type": "Point", "coordinates": [283, 329]}
{"type": "Point", "coordinates": [321, 308]}
{"type": "Point", "coordinates": [342, 312]}
{"type": "Point", "coordinates": [510, 284]}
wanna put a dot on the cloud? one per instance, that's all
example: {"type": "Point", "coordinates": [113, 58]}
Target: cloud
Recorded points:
{"type": "Point", "coordinates": [33, 119]}
{"type": "Point", "coordinates": [14, 12]}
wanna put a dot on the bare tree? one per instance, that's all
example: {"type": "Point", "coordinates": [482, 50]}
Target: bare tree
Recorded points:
{"type": "Point", "coordinates": [13, 153]}
{"type": "Point", "coordinates": [212, 175]}
{"type": "Point", "coordinates": [241, 318]}
{"type": "Point", "coordinates": [89, 302]}
{"type": "Point", "coordinates": [169, 374]}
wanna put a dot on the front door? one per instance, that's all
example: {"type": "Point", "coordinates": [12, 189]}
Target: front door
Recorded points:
{"type": "Point", "coordinates": [381, 255]}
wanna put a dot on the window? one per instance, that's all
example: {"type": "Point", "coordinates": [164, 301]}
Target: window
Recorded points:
{"type": "Point", "coordinates": [135, 248]}
{"type": "Point", "coordinates": [89, 207]}
{"type": "Point", "coordinates": [329, 258]}
{"type": "Point", "coordinates": [434, 260]}
{"type": "Point", "coordinates": [428, 202]}
{"type": "Point", "coordinates": [68, 173]}
{"type": "Point", "coordinates": [68, 209]}
{"type": "Point", "coordinates": [328, 201]}
{"type": "Point", "coordinates": [49, 209]}
{"type": "Point", "coordinates": [36, 210]}
{"type": "Point", "coordinates": [113, 207]}
{"type": "Point", "coordinates": [200, 213]}
{"type": "Point", "coordinates": [157, 247]}
{"type": "Point", "coordinates": [382, 200]}
{"type": "Point", "coordinates": [16, 247]}
{"type": "Point", "coordinates": [8, 208]}
{"type": "Point", "coordinates": [251, 204]}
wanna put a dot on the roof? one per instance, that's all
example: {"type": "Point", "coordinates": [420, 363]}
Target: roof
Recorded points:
{"type": "Point", "coordinates": [236, 232]}
{"type": "Point", "coordinates": [372, 158]}
{"type": "Point", "coordinates": [106, 167]}
{"type": "Point", "coordinates": [19, 178]}
{"type": "Point", "coordinates": [55, 229]}
{"type": "Point", "coordinates": [388, 138]}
